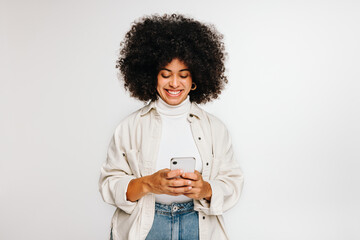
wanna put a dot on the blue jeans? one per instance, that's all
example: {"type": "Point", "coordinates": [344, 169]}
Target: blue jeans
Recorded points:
{"type": "Point", "coordinates": [174, 222]}
{"type": "Point", "coordinates": [177, 221]}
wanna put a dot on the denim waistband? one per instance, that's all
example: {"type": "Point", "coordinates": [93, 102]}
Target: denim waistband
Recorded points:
{"type": "Point", "coordinates": [174, 208]}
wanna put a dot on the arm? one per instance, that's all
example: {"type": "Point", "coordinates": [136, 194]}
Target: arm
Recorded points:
{"type": "Point", "coordinates": [136, 189]}
{"type": "Point", "coordinates": [226, 178]}
{"type": "Point", "coordinates": [116, 173]}
{"type": "Point", "coordinates": [120, 184]}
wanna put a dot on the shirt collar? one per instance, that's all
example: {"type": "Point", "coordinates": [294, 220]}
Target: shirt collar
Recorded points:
{"type": "Point", "coordinates": [195, 110]}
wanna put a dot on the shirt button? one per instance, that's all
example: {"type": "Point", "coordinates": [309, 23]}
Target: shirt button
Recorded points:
{"type": "Point", "coordinates": [203, 217]}
{"type": "Point", "coordinates": [191, 115]}
{"type": "Point", "coordinates": [199, 138]}
{"type": "Point", "coordinates": [207, 164]}
{"type": "Point", "coordinates": [124, 154]}
{"type": "Point", "coordinates": [175, 208]}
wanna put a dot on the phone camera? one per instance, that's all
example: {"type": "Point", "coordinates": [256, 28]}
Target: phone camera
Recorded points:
{"type": "Point", "coordinates": [174, 162]}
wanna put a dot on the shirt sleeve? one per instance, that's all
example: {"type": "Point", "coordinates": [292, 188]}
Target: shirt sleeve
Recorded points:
{"type": "Point", "coordinates": [226, 178]}
{"type": "Point", "coordinates": [116, 174]}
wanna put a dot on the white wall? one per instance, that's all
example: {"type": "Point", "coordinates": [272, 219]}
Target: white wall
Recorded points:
{"type": "Point", "coordinates": [292, 106]}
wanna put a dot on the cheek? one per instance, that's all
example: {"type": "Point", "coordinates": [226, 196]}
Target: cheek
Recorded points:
{"type": "Point", "coordinates": [188, 84]}
{"type": "Point", "coordinates": [158, 87]}
{"type": "Point", "coordinates": [159, 83]}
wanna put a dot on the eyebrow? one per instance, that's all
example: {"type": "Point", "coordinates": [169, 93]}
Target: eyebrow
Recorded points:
{"type": "Point", "coordinates": [179, 71]}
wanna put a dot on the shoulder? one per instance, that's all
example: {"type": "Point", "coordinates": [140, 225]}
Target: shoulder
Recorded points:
{"type": "Point", "coordinates": [131, 121]}
{"type": "Point", "coordinates": [214, 121]}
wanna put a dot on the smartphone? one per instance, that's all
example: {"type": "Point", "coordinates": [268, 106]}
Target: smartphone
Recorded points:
{"type": "Point", "coordinates": [187, 164]}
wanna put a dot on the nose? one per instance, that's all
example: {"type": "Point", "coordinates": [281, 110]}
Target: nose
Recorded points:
{"type": "Point", "coordinates": [174, 82]}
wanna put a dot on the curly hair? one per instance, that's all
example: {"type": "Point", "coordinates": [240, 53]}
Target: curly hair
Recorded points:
{"type": "Point", "coordinates": [154, 41]}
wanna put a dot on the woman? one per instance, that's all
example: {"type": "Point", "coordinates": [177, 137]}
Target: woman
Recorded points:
{"type": "Point", "coordinates": [174, 62]}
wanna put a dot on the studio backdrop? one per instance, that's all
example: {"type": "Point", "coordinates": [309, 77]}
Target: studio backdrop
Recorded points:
{"type": "Point", "coordinates": [292, 107]}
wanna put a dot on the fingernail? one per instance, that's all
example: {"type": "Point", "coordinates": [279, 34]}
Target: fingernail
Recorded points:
{"type": "Point", "coordinates": [188, 182]}
{"type": "Point", "coordinates": [190, 188]}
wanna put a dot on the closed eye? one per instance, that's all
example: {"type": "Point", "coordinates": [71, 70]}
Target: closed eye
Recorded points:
{"type": "Point", "coordinates": [165, 76]}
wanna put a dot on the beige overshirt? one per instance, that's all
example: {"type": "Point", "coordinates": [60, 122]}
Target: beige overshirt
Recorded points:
{"type": "Point", "coordinates": [133, 153]}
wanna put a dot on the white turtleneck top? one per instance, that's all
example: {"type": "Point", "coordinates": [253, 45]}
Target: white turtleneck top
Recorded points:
{"type": "Point", "coordinates": [176, 141]}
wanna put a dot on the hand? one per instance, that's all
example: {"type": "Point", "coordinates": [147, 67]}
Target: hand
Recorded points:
{"type": "Point", "coordinates": [200, 188]}
{"type": "Point", "coordinates": [166, 182]}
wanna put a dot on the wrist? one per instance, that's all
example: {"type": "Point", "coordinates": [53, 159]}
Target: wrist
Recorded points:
{"type": "Point", "coordinates": [209, 192]}
{"type": "Point", "coordinates": [145, 183]}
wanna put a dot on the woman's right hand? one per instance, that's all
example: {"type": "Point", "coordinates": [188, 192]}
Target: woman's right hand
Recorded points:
{"type": "Point", "coordinates": [166, 181]}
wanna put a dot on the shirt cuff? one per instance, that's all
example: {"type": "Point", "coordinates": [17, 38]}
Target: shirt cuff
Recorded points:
{"type": "Point", "coordinates": [120, 198]}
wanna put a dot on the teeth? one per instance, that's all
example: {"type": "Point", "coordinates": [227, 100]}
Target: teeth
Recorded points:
{"type": "Point", "coordinates": [173, 92]}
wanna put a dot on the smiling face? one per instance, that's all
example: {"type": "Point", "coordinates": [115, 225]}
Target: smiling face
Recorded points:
{"type": "Point", "coordinates": [174, 82]}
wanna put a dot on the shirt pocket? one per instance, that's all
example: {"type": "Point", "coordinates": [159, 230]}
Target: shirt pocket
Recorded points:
{"type": "Point", "coordinates": [134, 162]}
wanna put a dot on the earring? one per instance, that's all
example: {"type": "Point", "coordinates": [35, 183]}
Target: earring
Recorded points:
{"type": "Point", "coordinates": [193, 86]}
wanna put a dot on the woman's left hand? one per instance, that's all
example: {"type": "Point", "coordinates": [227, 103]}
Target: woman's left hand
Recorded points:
{"type": "Point", "coordinates": [200, 188]}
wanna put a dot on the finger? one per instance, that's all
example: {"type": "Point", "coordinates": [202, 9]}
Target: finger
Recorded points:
{"type": "Point", "coordinates": [179, 182]}
{"type": "Point", "coordinates": [179, 190]}
{"type": "Point", "coordinates": [189, 194]}
{"type": "Point", "coordinates": [198, 174]}
{"type": "Point", "coordinates": [193, 192]}
{"type": "Point", "coordinates": [191, 176]}
{"type": "Point", "coordinates": [174, 173]}
{"type": "Point", "coordinates": [175, 194]}
{"type": "Point", "coordinates": [164, 172]}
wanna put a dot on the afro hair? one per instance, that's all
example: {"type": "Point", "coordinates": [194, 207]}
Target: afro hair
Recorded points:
{"type": "Point", "coordinates": [154, 41]}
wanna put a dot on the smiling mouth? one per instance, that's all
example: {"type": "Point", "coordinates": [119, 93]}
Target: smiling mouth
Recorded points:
{"type": "Point", "coordinates": [173, 93]}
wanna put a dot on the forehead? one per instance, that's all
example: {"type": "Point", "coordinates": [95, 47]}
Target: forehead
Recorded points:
{"type": "Point", "coordinates": [175, 65]}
